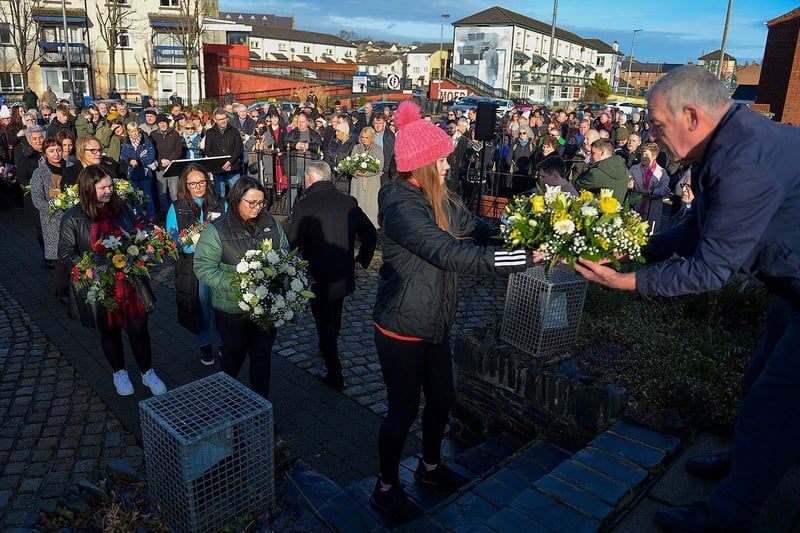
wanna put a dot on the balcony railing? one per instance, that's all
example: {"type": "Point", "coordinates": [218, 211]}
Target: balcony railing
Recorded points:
{"type": "Point", "coordinates": [171, 55]}
{"type": "Point", "coordinates": [56, 54]}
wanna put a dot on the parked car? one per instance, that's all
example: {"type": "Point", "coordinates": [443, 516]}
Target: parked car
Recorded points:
{"type": "Point", "coordinates": [627, 107]}
{"type": "Point", "coordinates": [523, 103]}
{"type": "Point", "coordinates": [287, 106]}
{"type": "Point", "coordinates": [592, 107]}
{"type": "Point", "coordinates": [133, 106]}
{"type": "Point", "coordinates": [380, 105]}
{"type": "Point", "coordinates": [465, 103]}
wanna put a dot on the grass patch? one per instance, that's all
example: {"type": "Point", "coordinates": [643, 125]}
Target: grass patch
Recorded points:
{"type": "Point", "coordinates": [682, 358]}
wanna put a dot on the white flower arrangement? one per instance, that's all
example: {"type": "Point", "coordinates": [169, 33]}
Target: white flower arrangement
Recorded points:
{"type": "Point", "coordinates": [272, 286]}
{"type": "Point", "coordinates": [358, 163]}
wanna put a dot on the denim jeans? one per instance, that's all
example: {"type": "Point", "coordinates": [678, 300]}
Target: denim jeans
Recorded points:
{"type": "Point", "coordinates": [767, 438]}
{"type": "Point", "coordinates": [206, 315]}
{"type": "Point", "coordinates": [220, 180]}
{"type": "Point", "coordinates": [167, 190]}
{"type": "Point", "coordinates": [146, 186]}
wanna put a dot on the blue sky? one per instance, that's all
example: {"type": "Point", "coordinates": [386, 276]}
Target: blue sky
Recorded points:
{"type": "Point", "coordinates": [674, 31]}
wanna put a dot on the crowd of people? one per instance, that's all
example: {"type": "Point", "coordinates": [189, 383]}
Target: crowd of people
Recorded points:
{"type": "Point", "coordinates": [733, 172]}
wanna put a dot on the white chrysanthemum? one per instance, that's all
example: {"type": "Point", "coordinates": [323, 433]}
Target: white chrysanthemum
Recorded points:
{"type": "Point", "coordinates": [243, 306]}
{"type": "Point", "coordinates": [255, 265]}
{"type": "Point", "coordinates": [249, 254]}
{"type": "Point", "coordinates": [248, 297]}
{"type": "Point", "coordinates": [291, 270]}
{"type": "Point", "coordinates": [280, 302]}
{"type": "Point", "coordinates": [259, 274]}
{"type": "Point", "coordinates": [616, 222]}
{"type": "Point", "coordinates": [288, 315]}
{"type": "Point", "coordinates": [564, 227]}
{"type": "Point", "coordinates": [273, 257]}
{"type": "Point", "coordinates": [588, 210]}
{"type": "Point", "coordinates": [258, 310]}
{"type": "Point", "coordinates": [291, 296]}
{"type": "Point", "coordinates": [242, 267]}
{"type": "Point", "coordinates": [296, 285]}
{"type": "Point", "coordinates": [261, 292]}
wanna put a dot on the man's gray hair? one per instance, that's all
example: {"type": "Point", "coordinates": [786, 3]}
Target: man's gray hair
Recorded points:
{"type": "Point", "coordinates": [240, 107]}
{"type": "Point", "coordinates": [30, 130]}
{"type": "Point", "coordinates": [691, 84]}
{"type": "Point", "coordinates": [318, 171]}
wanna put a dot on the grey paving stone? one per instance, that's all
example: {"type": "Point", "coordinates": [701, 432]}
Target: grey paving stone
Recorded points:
{"type": "Point", "coordinates": [626, 472]}
{"type": "Point", "coordinates": [665, 443]}
{"type": "Point", "coordinates": [598, 485]}
{"type": "Point", "coordinates": [546, 455]}
{"type": "Point", "coordinates": [541, 508]}
{"type": "Point", "coordinates": [527, 469]}
{"type": "Point", "coordinates": [496, 492]}
{"type": "Point", "coordinates": [476, 461]}
{"type": "Point", "coordinates": [637, 453]}
{"type": "Point", "coordinates": [512, 521]}
{"type": "Point", "coordinates": [467, 513]}
{"type": "Point", "coordinates": [574, 497]}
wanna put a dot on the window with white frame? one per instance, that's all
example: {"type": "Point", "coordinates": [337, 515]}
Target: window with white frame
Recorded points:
{"type": "Point", "coordinates": [11, 82]}
{"type": "Point", "coordinates": [123, 40]}
{"type": "Point", "coordinates": [170, 3]}
{"type": "Point", "coordinates": [306, 49]}
{"type": "Point", "coordinates": [127, 82]}
{"type": "Point", "coordinates": [601, 61]}
{"type": "Point", "coordinates": [564, 92]}
{"type": "Point", "coordinates": [282, 47]}
{"type": "Point", "coordinates": [5, 33]}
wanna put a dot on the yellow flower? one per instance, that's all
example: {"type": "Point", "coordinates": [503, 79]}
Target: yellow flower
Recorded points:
{"type": "Point", "coordinates": [603, 242]}
{"type": "Point", "coordinates": [586, 196]}
{"type": "Point", "coordinates": [118, 260]}
{"type": "Point", "coordinates": [61, 196]}
{"type": "Point", "coordinates": [537, 204]}
{"type": "Point", "coordinates": [609, 205]}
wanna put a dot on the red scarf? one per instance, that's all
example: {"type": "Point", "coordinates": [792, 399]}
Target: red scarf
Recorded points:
{"type": "Point", "coordinates": [129, 306]}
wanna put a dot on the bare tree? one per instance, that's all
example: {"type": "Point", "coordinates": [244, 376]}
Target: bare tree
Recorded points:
{"type": "Point", "coordinates": [113, 21]}
{"type": "Point", "coordinates": [148, 73]}
{"type": "Point", "coordinates": [24, 32]}
{"type": "Point", "coordinates": [190, 26]}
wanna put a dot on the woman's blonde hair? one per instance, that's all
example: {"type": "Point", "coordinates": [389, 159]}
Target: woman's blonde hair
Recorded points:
{"type": "Point", "coordinates": [80, 147]}
{"type": "Point", "coordinates": [436, 192]}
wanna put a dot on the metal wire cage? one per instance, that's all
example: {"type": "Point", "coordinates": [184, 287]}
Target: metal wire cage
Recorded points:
{"type": "Point", "coordinates": [209, 453]}
{"type": "Point", "coordinates": [543, 310]}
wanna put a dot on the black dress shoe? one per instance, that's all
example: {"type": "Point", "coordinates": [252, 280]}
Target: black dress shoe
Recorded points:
{"type": "Point", "coordinates": [331, 381]}
{"type": "Point", "coordinates": [714, 466]}
{"type": "Point", "coordinates": [687, 519]}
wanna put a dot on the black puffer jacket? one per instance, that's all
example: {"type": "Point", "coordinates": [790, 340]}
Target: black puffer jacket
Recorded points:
{"type": "Point", "coordinates": [186, 285]}
{"type": "Point", "coordinates": [73, 241]}
{"type": "Point", "coordinates": [418, 286]}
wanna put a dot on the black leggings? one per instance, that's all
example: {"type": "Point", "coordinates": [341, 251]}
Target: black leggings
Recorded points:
{"type": "Point", "coordinates": [139, 339]}
{"type": "Point", "coordinates": [410, 367]}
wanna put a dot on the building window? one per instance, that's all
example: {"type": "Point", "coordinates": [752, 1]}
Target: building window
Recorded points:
{"type": "Point", "coordinates": [415, 70]}
{"type": "Point", "coordinates": [329, 51]}
{"type": "Point", "coordinates": [170, 3]}
{"type": "Point", "coordinates": [5, 33]}
{"type": "Point", "coordinates": [255, 45]}
{"type": "Point", "coordinates": [11, 82]}
{"type": "Point", "coordinates": [282, 47]}
{"type": "Point", "coordinates": [127, 82]}
{"type": "Point", "coordinates": [564, 92]}
{"type": "Point", "coordinates": [601, 61]}
{"type": "Point", "coordinates": [124, 40]}
{"type": "Point", "coordinates": [306, 49]}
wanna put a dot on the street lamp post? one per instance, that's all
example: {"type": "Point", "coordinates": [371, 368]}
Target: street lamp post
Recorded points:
{"type": "Point", "coordinates": [442, 62]}
{"type": "Point", "coordinates": [547, 98]}
{"type": "Point", "coordinates": [630, 62]}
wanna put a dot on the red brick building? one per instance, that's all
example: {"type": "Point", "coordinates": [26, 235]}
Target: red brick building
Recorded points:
{"type": "Point", "coordinates": [779, 86]}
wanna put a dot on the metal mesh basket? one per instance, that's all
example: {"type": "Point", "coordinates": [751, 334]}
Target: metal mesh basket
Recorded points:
{"type": "Point", "coordinates": [209, 451]}
{"type": "Point", "coordinates": [543, 310]}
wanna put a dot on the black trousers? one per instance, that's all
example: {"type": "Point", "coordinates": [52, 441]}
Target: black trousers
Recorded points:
{"type": "Point", "coordinates": [328, 319]}
{"type": "Point", "coordinates": [241, 338]}
{"type": "Point", "coordinates": [139, 339]}
{"type": "Point", "coordinates": [62, 277]}
{"type": "Point", "coordinates": [410, 367]}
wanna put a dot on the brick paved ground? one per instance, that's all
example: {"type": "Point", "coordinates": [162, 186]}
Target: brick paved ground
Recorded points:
{"type": "Point", "coordinates": [335, 433]}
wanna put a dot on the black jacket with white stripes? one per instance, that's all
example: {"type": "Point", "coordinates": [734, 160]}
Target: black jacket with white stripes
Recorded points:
{"type": "Point", "coordinates": [418, 287]}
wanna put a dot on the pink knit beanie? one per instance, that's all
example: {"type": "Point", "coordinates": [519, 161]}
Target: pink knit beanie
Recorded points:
{"type": "Point", "coordinates": [418, 141]}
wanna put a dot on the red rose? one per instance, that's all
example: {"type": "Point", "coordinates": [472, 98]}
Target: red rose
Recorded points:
{"type": "Point", "coordinates": [74, 274]}
{"type": "Point", "coordinates": [141, 264]}
{"type": "Point", "coordinates": [120, 275]}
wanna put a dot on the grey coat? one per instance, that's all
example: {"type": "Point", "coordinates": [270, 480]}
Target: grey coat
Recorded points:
{"type": "Point", "coordinates": [40, 195]}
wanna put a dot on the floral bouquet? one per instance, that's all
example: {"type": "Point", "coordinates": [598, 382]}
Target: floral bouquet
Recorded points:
{"type": "Point", "coordinates": [358, 163]}
{"type": "Point", "coordinates": [63, 201]}
{"type": "Point", "coordinates": [191, 235]}
{"type": "Point", "coordinates": [131, 195]}
{"type": "Point", "coordinates": [564, 227]}
{"type": "Point", "coordinates": [272, 286]}
{"type": "Point", "coordinates": [121, 256]}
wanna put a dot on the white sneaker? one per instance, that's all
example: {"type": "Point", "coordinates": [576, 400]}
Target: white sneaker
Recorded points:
{"type": "Point", "coordinates": [150, 379]}
{"type": "Point", "coordinates": [123, 383]}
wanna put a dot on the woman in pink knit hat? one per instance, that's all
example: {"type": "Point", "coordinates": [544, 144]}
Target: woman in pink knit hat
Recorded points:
{"type": "Point", "coordinates": [429, 238]}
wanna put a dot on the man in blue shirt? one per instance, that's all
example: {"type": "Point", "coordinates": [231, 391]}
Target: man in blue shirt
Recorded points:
{"type": "Point", "coordinates": [746, 183]}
